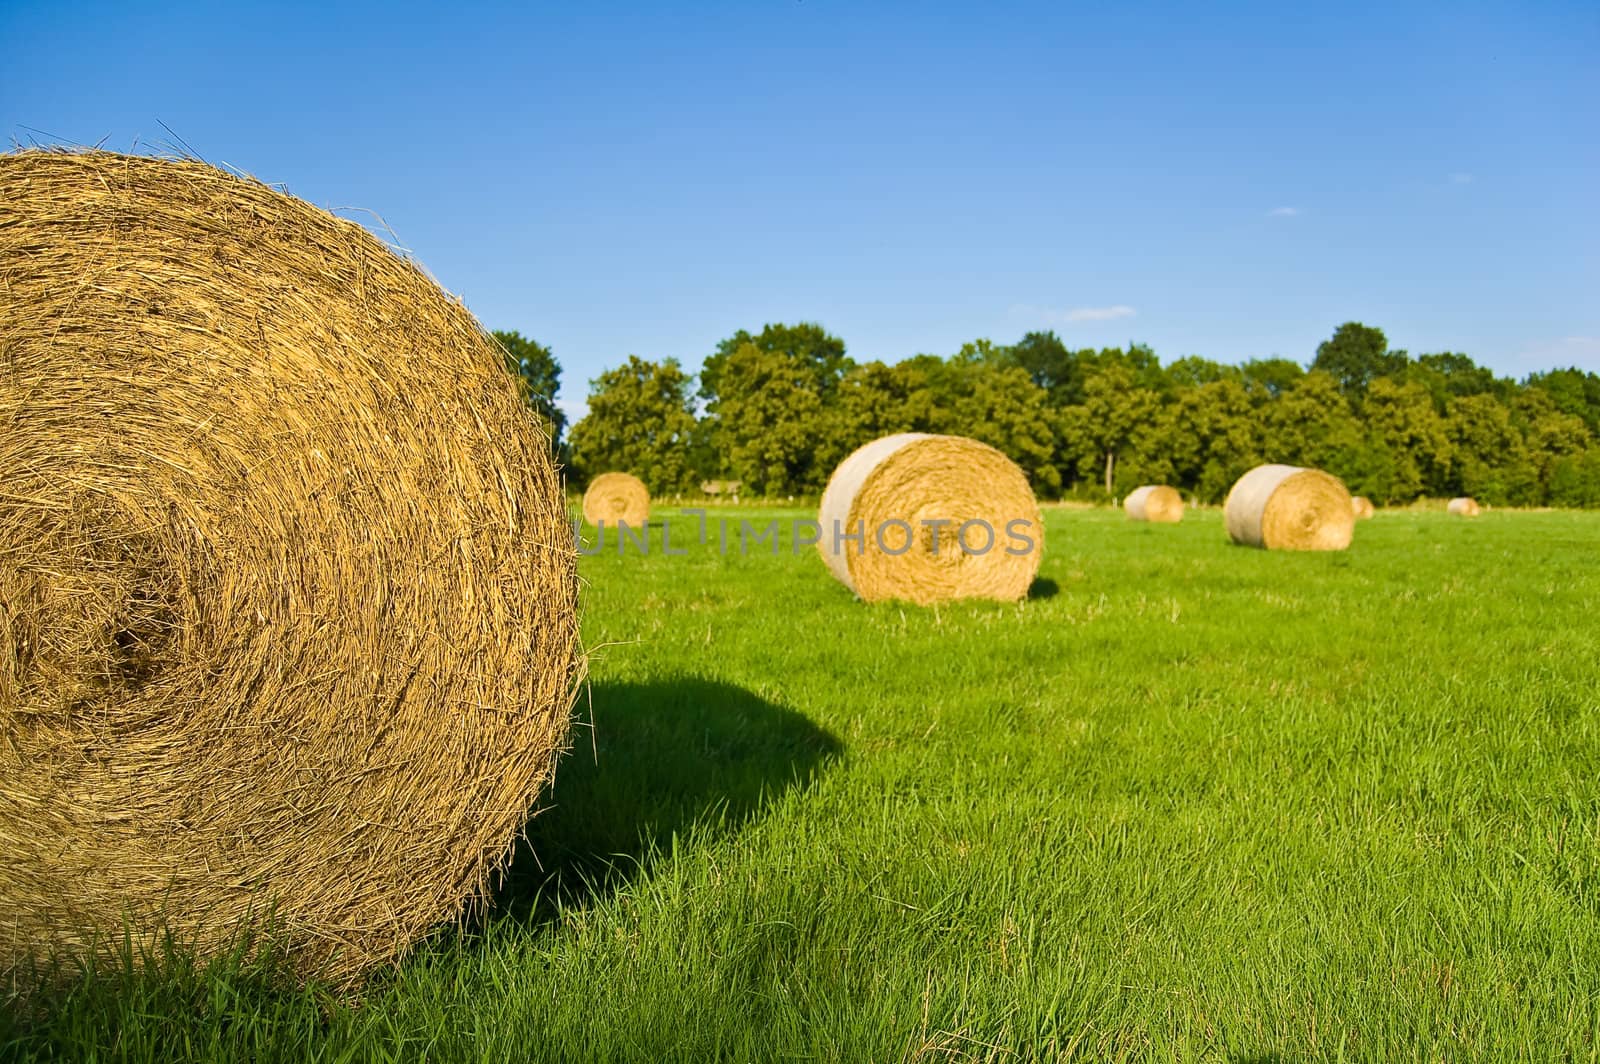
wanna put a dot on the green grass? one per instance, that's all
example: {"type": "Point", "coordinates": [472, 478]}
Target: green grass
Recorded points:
{"type": "Point", "coordinates": [1191, 801]}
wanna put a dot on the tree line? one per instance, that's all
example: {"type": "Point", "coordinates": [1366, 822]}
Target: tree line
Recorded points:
{"type": "Point", "coordinates": [779, 409]}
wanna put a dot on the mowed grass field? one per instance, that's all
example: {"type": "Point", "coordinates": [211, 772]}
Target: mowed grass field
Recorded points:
{"type": "Point", "coordinates": [1188, 802]}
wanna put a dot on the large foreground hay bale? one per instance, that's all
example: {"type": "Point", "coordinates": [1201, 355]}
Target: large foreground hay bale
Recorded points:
{"type": "Point", "coordinates": [1154, 502]}
{"type": "Point", "coordinates": [1284, 507]}
{"type": "Point", "coordinates": [1362, 507]}
{"type": "Point", "coordinates": [894, 490]}
{"type": "Point", "coordinates": [617, 499]}
{"type": "Point", "coordinates": [1463, 507]}
{"type": "Point", "coordinates": [287, 587]}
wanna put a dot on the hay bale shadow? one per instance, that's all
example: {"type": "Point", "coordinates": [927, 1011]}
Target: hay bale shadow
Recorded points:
{"type": "Point", "coordinates": [665, 758]}
{"type": "Point", "coordinates": [1043, 588]}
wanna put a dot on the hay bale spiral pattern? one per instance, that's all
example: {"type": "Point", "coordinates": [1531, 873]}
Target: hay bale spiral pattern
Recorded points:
{"type": "Point", "coordinates": [617, 499]}
{"type": "Point", "coordinates": [287, 588]}
{"type": "Point", "coordinates": [1282, 507]}
{"type": "Point", "coordinates": [915, 478]}
{"type": "Point", "coordinates": [1154, 502]}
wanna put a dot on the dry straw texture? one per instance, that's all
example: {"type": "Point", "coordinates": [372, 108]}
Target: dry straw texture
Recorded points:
{"type": "Point", "coordinates": [617, 499]}
{"type": "Point", "coordinates": [1154, 502]}
{"type": "Point", "coordinates": [1287, 508]}
{"type": "Point", "coordinates": [287, 589]}
{"type": "Point", "coordinates": [912, 478]}
{"type": "Point", "coordinates": [1362, 507]}
{"type": "Point", "coordinates": [1463, 507]}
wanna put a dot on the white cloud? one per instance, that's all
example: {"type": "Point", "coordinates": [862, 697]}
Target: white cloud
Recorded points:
{"type": "Point", "coordinates": [1284, 212]}
{"type": "Point", "coordinates": [1460, 179]}
{"type": "Point", "coordinates": [1056, 316]}
{"type": "Point", "coordinates": [1121, 310]}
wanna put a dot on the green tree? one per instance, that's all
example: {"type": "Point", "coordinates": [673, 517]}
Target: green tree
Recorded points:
{"type": "Point", "coordinates": [640, 421]}
{"type": "Point", "coordinates": [1551, 433]}
{"type": "Point", "coordinates": [1355, 356]}
{"type": "Point", "coordinates": [811, 346]}
{"type": "Point", "coordinates": [1048, 363]}
{"type": "Point", "coordinates": [1575, 480]}
{"type": "Point", "coordinates": [1409, 437]}
{"type": "Point", "coordinates": [1572, 391]}
{"type": "Point", "coordinates": [769, 418]}
{"type": "Point", "coordinates": [982, 350]}
{"type": "Point", "coordinates": [874, 400]}
{"type": "Point", "coordinates": [538, 377]}
{"type": "Point", "coordinates": [1139, 360]}
{"type": "Point", "coordinates": [1449, 375]}
{"type": "Point", "coordinates": [944, 381]}
{"type": "Point", "coordinates": [1001, 406]}
{"type": "Point", "coordinates": [1113, 412]}
{"type": "Point", "coordinates": [1211, 437]}
{"type": "Point", "coordinates": [788, 406]}
{"type": "Point", "coordinates": [1490, 458]}
{"type": "Point", "coordinates": [1273, 376]}
{"type": "Point", "coordinates": [1310, 424]}
{"type": "Point", "coordinates": [1191, 371]}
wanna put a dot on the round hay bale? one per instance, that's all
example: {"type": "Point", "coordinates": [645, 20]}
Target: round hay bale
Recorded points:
{"type": "Point", "coordinates": [1463, 507]}
{"type": "Point", "coordinates": [938, 518]}
{"type": "Point", "coordinates": [1362, 507]}
{"type": "Point", "coordinates": [617, 499]}
{"type": "Point", "coordinates": [1282, 507]}
{"type": "Point", "coordinates": [287, 585]}
{"type": "Point", "coordinates": [1154, 502]}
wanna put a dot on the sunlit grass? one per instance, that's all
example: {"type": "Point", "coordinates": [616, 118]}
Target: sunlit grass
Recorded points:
{"type": "Point", "coordinates": [1191, 801]}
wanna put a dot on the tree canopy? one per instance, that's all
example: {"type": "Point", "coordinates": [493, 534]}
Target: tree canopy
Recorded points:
{"type": "Point", "coordinates": [641, 421]}
{"type": "Point", "coordinates": [779, 408]}
{"type": "Point", "coordinates": [819, 353]}
{"type": "Point", "coordinates": [538, 377]}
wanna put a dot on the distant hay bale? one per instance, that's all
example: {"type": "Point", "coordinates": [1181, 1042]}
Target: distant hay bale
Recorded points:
{"type": "Point", "coordinates": [896, 490]}
{"type": "Point", "coordinates": [1362, 507]}
{"type": "Point", "coordinates": [617, 499]}
{"type": "Point", "coordinates": [1463, 507]}
{"type": "Point", "coordinates": [1282, 507]}
{"type": "Point", "coordinates": [287, 586]}
{"type": "Point", "coordinates": [1154, 502]}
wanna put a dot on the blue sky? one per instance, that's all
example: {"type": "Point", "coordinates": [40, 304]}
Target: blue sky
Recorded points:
{"type": "Point", "coordinates": [1231, 182]}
